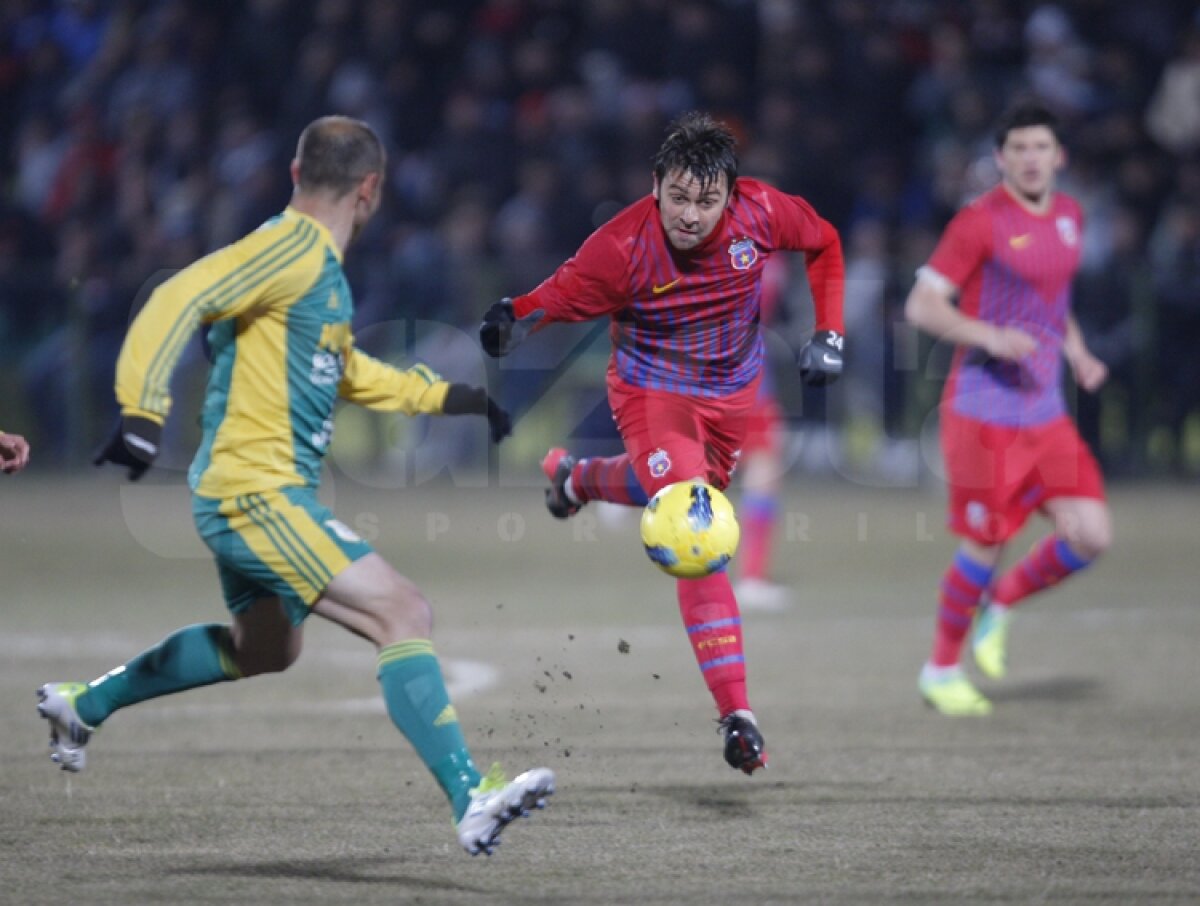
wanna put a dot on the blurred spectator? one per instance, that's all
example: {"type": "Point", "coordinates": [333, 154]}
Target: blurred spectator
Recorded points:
{"type": "Point", "coordinates": [132, 131]}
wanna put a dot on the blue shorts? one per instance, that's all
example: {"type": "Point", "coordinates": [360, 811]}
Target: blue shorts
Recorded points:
{"type": "Point", "coordinates": [281, 544]}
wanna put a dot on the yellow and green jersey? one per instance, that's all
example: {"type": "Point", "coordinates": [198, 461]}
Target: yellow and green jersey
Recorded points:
{"type": "Point", "coordinates": [283, 353]}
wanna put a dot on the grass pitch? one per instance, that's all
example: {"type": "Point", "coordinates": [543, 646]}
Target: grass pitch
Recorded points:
{"type": "Point", "coordinates": [563, 648]}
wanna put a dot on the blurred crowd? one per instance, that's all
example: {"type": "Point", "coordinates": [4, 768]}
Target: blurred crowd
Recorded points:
{"type": "Point", "coordinates": [138, 134]}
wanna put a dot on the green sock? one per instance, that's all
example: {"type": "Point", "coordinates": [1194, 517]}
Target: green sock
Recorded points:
{"type": "Point", "coordinates": [419, 706]}
{"type": "Point", "coordinates": [193, 656]}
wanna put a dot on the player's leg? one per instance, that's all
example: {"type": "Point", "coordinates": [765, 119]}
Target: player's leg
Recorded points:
{"type": "Point", "coordinates": [681, 438]}
{"type": "Point", "coordinates": [574, 483]}
{"type": "Point", "coordinates": [266, 579]}
{"type": "Point", "coordinates": [375, 602]}
{"type": "Point", "coordinates": [979, 512]}
{"type": "Point", "coordinates": [1066, 483]}
{"type": "Point", "coordinates": [1082, 532]}
{"type": "Point", "coordinates": [761, 469]}
{"type": "Point", "coordinates": [614, 479]}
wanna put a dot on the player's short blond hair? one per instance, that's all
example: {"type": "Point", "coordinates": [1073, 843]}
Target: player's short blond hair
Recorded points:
{"type": "Point", "coordinates": [335, 153]}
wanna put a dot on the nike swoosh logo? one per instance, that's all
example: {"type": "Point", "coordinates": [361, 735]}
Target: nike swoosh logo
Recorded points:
{"type": "Point", "coordinates": [659, 290]}
{"type": "Point", "coordinates": [831, 359]}
{"type": "Point", "coordinates": [1019, 242]}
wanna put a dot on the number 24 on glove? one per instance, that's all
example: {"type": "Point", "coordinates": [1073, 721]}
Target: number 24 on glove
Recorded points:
{"type": "Point", "coordinates": [820, 359]}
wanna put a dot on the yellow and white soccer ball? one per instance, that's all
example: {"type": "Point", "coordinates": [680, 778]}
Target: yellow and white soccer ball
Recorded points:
{"type": "Point", "coordinates": [690, 530]}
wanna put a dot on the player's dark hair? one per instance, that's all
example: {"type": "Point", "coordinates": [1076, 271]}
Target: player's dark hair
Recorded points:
{"type": "Point", "coordinates": [1022, 115]}
{"type": "Point", "coordinates": [698, 144]}
{"type": "Point", "coordinates": [336, 152]}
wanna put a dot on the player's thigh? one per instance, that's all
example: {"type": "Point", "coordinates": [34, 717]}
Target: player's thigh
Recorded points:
{"type": "Point", "coordinates": [984, 480]}
{"type": "Point", "coordinates": [372, 599]}
{"type": "Point", "coordinates": [281, 543]}
{"type": "Point", "coordinates": [662, 435]}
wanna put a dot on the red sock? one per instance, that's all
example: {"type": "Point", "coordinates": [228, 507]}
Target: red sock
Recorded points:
{"type": "Point", "coordinates": [962, 586]}
{"type": "Point", "coordinates": [608, 478]}
{"type": "Point", "coordinates": [757, 518]}
{"type": "Point", "coordinates": [1050, 561]}
{"type": "Point", "coordinates": [714, 625]}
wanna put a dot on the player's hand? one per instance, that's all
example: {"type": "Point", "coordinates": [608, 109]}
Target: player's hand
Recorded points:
{"type": "Point", "coordinates": [462, 399]}
{"type": "Point", "coordinates": [133, 443]}
{"type": "Point", "coordinates": [820, 359]}
{"type": "Point", "coordinates": [14, 453]}
{"type": "Point", "coordinates": [502, 331]}
{"type": "Point", "coordinates": [1090, 372]}
{"type": "Point", "coordinates": [1009, 344]}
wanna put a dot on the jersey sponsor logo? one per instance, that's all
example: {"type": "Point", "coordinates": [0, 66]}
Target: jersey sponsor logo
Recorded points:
{"type": "Point", "coordinates": [1068, 232]}
{"type": "Point", "coordinates": [659, 290]}
{"type": "Point", "coordinates": [1019, 242]}
{"type": "Point", "coordinates": [743, 254]}
{"type": "Point", "coordinates": [659, 463]}
{"type": "Point", "coordinates": [326, 368]}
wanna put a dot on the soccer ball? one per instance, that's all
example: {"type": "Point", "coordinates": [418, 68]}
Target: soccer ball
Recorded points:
{"type": "Point", "coordinates": [690, 530]}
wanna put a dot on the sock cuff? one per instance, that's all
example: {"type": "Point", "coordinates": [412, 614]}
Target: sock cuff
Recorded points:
{"type": "Point", "coordinates": [223, 638]}
{"type": "Point", "coordinates": [978, 573]}
{"type": "Point", "coordinates": [760, 506]}
{"type": "Point", "coordinates": [403, 651]}
{"type": "Point", "coordinates": [1067, 556]}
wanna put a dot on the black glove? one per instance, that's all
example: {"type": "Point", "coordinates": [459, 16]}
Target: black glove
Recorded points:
{"type": "Point", "coordinates": [462, 399]}
{"type": "Point", "coordinates": [133, 443]}
{"type": "Point", "coordinates": [820, 359]}
{"type": "Point", "coordinates": [501, 331]}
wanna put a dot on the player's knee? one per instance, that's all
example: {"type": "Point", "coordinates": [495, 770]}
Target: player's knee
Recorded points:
{"type": "Point", "coordinates": [1095, 538]}
{"type": "Point", "coordinates": [256, 663]}
{"type": "Point", "coordinates": [403, 612]}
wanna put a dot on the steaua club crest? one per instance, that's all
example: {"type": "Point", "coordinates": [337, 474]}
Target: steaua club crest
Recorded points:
{"type": "Point", "coordinates": [1067, 231]}
{"type": "Point", "coordinates": [742, 254]}
{"type": "Point", "coordinates": [659, 463]}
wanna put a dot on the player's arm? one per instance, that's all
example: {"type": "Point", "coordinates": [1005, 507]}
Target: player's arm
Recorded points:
{"type": "Point", "coordinates": [14, 453]}
{"type": "Point", "coordinates": [590, 284]}
{"type": "Point", "coordinates": [264, 268]}
{"type": "Point", "coordinates": [964, 247]}
{"type": "Point", "coordinates": [930, 307]}
{"type": "Point", "coordinates": [1089, 371]}
{"type": "Point", "coordinates": [796, 226]}
{"type": "Point", "coordinates": [416, 391]}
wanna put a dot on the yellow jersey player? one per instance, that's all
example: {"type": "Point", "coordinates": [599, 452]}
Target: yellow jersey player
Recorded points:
{"type": "Point", "coordinates": [283, 353]}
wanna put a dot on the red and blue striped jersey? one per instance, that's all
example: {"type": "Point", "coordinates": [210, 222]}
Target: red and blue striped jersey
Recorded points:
{"type": "Point", "coordinates": [1013, 268]}
{"type": "Point", "coordinates": [688, 322]}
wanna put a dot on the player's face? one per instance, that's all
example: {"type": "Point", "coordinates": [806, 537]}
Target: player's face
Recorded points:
{"type": "Point", "coordinates": [1028, 161]}
{"type": "Point", "coordinates": [690, 212]}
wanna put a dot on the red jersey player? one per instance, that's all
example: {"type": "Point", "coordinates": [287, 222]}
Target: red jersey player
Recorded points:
{"type": "Point", "coordinates": [680, 275]}
{"type": "Point", "coordinates": [1009, 446]}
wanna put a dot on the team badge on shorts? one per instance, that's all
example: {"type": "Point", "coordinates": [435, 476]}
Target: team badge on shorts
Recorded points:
{"type": "Point", "coordinates": [659, 463]}
{"type": "Point", "coordinates": [1067, 231]}
{"type": "Point", "coordinates": [742, 254]}
{"type": "Point", "coordinates": [977, 515]}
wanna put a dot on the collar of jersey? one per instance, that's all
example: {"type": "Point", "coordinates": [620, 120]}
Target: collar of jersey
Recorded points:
{"type": "Point", "coordinates": [289, 211]}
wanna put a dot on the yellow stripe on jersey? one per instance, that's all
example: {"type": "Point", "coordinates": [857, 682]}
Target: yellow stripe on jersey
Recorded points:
{"type": "Point", "coordinates": [272, 265]}
{"type": "Point", "coordinates": [214, 300]}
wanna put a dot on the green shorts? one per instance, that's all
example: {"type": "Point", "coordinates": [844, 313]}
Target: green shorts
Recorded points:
{"type": "Point", "coordinates": [278, 544]}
